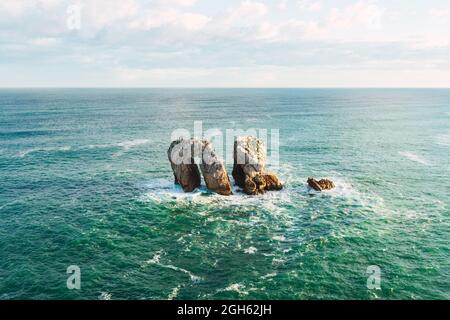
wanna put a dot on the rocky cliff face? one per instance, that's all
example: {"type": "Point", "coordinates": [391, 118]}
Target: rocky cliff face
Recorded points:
{"type": "Point", "coordinates": [214, 171]}
{"type": "Point", "coordinates": [249, 164]}
{"type": "Point", "coordinates": [181, 155]}
{"type": "Point", "coordinates": [184, 169]}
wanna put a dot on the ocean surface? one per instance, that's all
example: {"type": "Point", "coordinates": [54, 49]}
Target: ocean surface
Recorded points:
{"type": "Point", "coordinates": [85, 181]}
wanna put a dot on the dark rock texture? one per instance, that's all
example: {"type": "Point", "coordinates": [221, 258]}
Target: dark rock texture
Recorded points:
{"type": "Point", "coordinates": [181, 155]}
{"type": "Point", "coordinates": [184, 169]}
{"type": "Point", "coordinates": [323, 184]}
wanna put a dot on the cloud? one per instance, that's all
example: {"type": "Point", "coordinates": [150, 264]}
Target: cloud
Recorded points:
{"type": "Point", "coordinates": [440, 12]}
{"type": "Point", "coordinates": [428, 41]}
{"type": "Point", "coordinates": [44, 42]}
{"type": "Point", "coordinates": [158, 18]}
{"type": "Point", "coordinates": [309, 5]}
{"type": "Point", "coordinates": [183, 3]}
{"type": "Point", "coordinates": [246, 9]}
{"type": "Point", "coordinates": [176, 42]}
{"type": "Point", "coordinates": [362, 13]}
{"type": "Point", "coordinates": [19, 7]}
{"type": "Point", "coordinates": [14, 7]}
{"type": "Point", "coordinates": [99, 14]}
{"type": "Point", "coordinates": [282, 4]}
{"type": "Point", "coordinates": [291, 30]}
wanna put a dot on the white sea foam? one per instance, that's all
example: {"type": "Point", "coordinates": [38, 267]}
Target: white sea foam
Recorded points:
{"type": "Point", "coordinates": [128, 144]}
{"type": "Point", "coordinates": [124, 145]}
{"type": "Point", "coordinates": [269, 275]}
{"type": "Point", "coordinates": [279, 238]}
{"type": "Point", "coordinates": [236, 287]}
{"type": "Point", "coordinates": [414, 157]}
{"type": "Point", "coordinates": [443, 140]}
{"type": "Point", "coordinates": [250, 250]}
{"type": "Point", "coordinates": [26, 152]}
{"type": "Point", "coordinates": [174, 293]}
{"type": "Point", "coordinates": [105, 296]}
{"type": "Point", "coordinates": [164, 190]}
{"type": "Point", "coordinates": [276, 204]}
{"type": "Point", "coordinates": [156, 260]}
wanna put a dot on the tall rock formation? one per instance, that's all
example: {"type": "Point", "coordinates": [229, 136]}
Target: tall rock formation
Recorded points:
{"type": "Point", "coordinates": [249, 164]}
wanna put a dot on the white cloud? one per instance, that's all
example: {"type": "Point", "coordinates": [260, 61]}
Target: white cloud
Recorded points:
{"type": "Point", "coordinates": [310, 5]}
{"type": "Point", "coordinates": [429, 41]}
{"type": "Point", "coordinates": [290, 30]}
{"type": "Point", "coordinates": [246, 9]}
{"type": "Point", "coordinates": [440, 12]}
{"type": "Point", "coordinates": [44, 42]}
{"type": "Point", "coordinates": [158, 75]}
{"type": "Point", "coordinates": [209, 43]}
{"type": "Point", "coordinates": [362, 13]}
{"type": "Point", "coordinates": [183, 3]}
{"type": "Point", "coordinates": [158, 18]}
{"type": "Point", "coordinates": [14, 7]}
{"type": "Point", "coordinates": [282, 4]}
{"type": "Point", "coordinates": [103, 13]}
{"type": "Point", "coordinates": [19, 7]}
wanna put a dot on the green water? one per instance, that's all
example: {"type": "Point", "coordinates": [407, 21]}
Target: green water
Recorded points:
{"type": "Point", "coordinates": [84, 180]}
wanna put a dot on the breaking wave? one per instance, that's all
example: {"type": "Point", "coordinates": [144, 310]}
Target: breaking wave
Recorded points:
{"type": "Point", "coordinates": [414, 157]}
{"type": "Point", "coordinates": [124, 146]}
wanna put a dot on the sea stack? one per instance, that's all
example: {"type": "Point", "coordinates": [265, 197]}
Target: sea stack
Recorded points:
{"type": "Point", "coordinates": [184, 169]}
{"type": "Point", "coordinates": [249, 164]}
{"type": "Point", "coordinates": [182, 153]}
{"type": "Point", "coordinates": [214, 171]}
{"type": "Point", "coordinates": [323, 184]}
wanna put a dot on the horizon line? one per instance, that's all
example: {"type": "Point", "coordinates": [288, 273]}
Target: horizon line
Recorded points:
{"type": "Point", "coordinates": [207, 87]}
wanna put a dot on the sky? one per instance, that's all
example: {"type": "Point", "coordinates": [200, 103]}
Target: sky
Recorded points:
{"type": "Point", "coordinates": [218, 43]}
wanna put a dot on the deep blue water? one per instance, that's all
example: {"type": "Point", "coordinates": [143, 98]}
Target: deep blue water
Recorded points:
{"type": "Point", "coordinates": [85, 180]}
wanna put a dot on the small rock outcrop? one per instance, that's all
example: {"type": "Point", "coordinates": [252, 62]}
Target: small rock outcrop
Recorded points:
{"type": "Point", "coordinates": [249, 164]}
{"type": "Point", "coordinates": [272, 182]}
{"type": "Point", "coordinates": [184, 169]}
{"type": "Point", "coordinates": [214, 171]}
{"type": "Point", "coordinates": [323, 184]}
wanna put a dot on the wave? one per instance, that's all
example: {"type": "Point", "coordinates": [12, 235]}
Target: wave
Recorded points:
{"type": "Point", "coordinates": [156, 260]}
{"type": "Point", "coordinates": [414, 157]}
{"type": "Point", "coordinates": [250, 250]}
{"type": "Point", "coordinates": [236, 287]}
{"type": "Point", "coordinates": [164, 191]}
{"type": "Point", "coordinates": [443, 140]}
{"type": "Point", "coordinates": [105, 296]}
{"type": "Point", "coordinates": [24, 153]}
{"type": "Point", "coordinates": [128, 144]}
{"type": "Point", "coordinates": [174, 293]}
{"type": "Point", "coordinates": [124, 146]}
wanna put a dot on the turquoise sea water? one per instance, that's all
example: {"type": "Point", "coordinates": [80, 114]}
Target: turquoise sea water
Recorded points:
{"type": "Point", "coordinates": [84, 180]}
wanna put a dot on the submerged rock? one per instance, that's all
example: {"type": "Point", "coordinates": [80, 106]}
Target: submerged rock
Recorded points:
{"type": "Point", "coordinates": [181, 157]}
{"type": "Point", "coordinates": [214, 171]}
{"type": "Point", "coordinates": [248, 168]}
{"type": "Point", "coordinates": [323, 184]}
